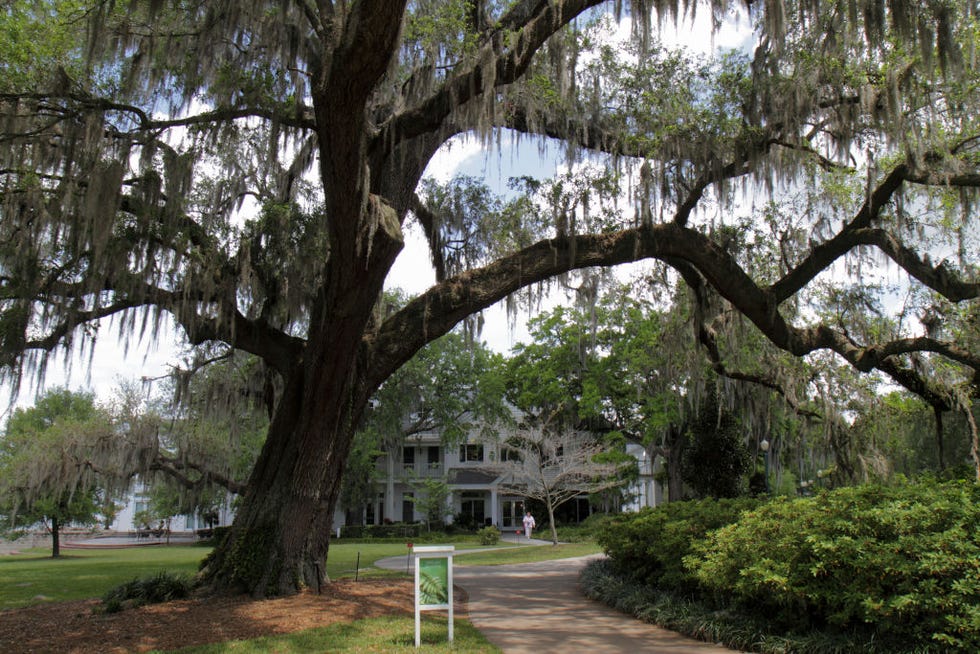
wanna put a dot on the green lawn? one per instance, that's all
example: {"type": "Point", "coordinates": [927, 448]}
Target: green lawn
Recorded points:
{"type": "Point", "coordinates": [377, 635]}
{"type": "Point", "coordinates": [34, 577]}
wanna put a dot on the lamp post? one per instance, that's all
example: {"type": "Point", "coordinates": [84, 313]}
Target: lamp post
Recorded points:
{"type": "Point", "coordinates": [764, 446]}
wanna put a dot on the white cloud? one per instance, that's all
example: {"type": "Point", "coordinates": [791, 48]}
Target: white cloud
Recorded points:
{"type": "Point", "coordinates": [452, 156]}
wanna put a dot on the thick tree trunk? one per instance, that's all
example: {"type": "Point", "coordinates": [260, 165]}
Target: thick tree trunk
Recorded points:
{"type": "Point", "coordinates": [673, 454]}
{"type": "Point", "coordinates": [55, 538]}
{"type": "Point", "coordinates": [940, 446]}
{"type": "Point", "coordinates": [280, 537]}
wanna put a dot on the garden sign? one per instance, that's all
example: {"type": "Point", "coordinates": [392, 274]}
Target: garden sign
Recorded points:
{"type": "Point", "coordinates": [433, 584]}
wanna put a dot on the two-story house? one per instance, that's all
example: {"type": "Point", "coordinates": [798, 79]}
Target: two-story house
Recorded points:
{"type": "Point", "coordinates": [474, 489]}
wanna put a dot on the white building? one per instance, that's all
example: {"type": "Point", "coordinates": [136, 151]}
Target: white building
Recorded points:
{"type": "Point", "coordinates": [138, 500]}
{"type": "Point", "coordinates": [647, 491]}
{"type": "Point", "coordinates": [475, 493]}
{"type": "Point", "coordinates": [475, 490]}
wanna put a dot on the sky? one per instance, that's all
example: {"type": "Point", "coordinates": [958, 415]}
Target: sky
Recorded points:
{"type": "Point", "coordinates": [111, 363]}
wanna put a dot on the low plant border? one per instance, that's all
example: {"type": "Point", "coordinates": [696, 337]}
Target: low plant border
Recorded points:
{"type": "Point", "coordinates": [730, 628]}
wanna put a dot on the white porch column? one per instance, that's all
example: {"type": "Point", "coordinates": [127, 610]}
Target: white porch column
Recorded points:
{"type": "Point", "coordinates": [495, 516]}
{"type": "Point", "coordinates": [390, 489]}
{"type": "Point", "coordinates": [450, 508]}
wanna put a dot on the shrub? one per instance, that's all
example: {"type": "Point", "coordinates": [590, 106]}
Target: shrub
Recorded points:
{"type": "Point", "coordinates": [465, 522]}
{"type": "Point", "coordinates": [650, 545]}
{"type": "Point", "coordinates": [742, 631]}
{"type": "Point", "coordinates": [904, 562]}
{"type": "Point", "coordinates": [161, 587]}
{"type": "Point", "coordinates": [587, 530]}
{"type": "Point", "coordinates": [395, 530]}
{"type": "Point", "coordinates": [489, 535]}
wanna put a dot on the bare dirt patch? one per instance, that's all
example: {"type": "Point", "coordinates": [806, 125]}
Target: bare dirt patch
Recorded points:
{"type": "Point", "coordinates": [73, 627]}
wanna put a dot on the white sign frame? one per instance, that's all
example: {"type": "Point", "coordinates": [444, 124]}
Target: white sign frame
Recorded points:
{"type": "Point", "coordinates": [433, 552]}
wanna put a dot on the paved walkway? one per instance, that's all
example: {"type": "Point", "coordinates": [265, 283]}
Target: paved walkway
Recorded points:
{"type": "Point", "coordinates": [538, 607]}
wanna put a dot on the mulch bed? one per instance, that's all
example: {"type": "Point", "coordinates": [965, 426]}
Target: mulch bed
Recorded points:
{"type": "Point", "coordinates": [78, 628]}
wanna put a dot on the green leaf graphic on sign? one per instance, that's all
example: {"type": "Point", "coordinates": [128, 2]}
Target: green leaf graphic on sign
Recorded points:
{"type": "Point", "coordinates": [434, 581]}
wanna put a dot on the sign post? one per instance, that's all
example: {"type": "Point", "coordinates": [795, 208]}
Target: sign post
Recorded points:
{"type": "Point", "coordinates": [433, 584]}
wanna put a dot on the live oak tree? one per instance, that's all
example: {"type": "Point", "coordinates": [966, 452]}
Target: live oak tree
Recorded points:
{"type": "Point", "coordinates": [247, 168]}
{"type": "Point", "coordinates": [46, 464]}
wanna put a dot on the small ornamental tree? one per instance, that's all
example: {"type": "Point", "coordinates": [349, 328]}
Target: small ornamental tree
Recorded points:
{"type": "Point", "coordinates": [553, 466]}
{"type": "Point", "coordinates": [431, 499]}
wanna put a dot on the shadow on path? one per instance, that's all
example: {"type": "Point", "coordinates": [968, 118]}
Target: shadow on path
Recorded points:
{"type": "Point", "coordinates": [539, 607]}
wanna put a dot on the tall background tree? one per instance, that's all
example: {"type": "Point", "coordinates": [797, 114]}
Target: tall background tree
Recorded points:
{"type": "Point", "coordinates": [247, 167]}
{"type": "Point", "coordinates": [452, 386]}
{"type": "Point", "coordinates": [47, 470]}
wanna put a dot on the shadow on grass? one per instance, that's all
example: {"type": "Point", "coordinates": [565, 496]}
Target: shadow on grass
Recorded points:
{"type": "Point", "coordinates": [376, 635]}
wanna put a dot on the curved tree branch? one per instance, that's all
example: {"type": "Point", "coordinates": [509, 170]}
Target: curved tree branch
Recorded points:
{"type": "Point", "coordinates": [707, 337]}
{"type": "Point", "coordinates": [496, 64]}
{"type": "Point", "coordinates": [859, 232]}
{"type": "Point", "coordinates": [300, 117]}
{"type": "Point", "coordinates": [438, 310]}
{"type": "Point", "coordinates": [176, 468]}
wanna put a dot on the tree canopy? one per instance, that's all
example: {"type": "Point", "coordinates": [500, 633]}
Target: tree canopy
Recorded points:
{"type": "Point", "coordinates": [248, 167]}
{"type": "Point", "coordinates": [47, 469]}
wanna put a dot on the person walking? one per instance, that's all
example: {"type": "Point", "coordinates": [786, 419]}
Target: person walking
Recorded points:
{"type": "Point", "coordinates": [528, 524]}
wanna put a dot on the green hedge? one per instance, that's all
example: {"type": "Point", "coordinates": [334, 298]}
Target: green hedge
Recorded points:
{"type": "Point", "coordinates": [903, 562]}
{"type": "Point", "coordinates": [587, 530]}
{"type": "Point", "coordinates": [650, 545]}
{"type": "Point", "coordinates": [394, 530]}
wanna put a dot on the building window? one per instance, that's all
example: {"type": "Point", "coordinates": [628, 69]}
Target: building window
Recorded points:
{"type": "Point", "coordinates": [513, 513]}
{"type": "Point", "coordinates": [471, 452]}
{"type": "Point", "coordinates": [408, 457]}
{"type": "Point", "coordinates": [473, 507]}
{"type": "Point", "coordinates": [375, 511]}
{"type": "Point", "coordinates": [408, 507]}
{"type": "Point", "coordinates": [433, 457]}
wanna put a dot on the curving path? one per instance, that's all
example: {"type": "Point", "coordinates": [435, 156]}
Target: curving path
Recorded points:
{"type": "Point", "coordinates": [538, 607]}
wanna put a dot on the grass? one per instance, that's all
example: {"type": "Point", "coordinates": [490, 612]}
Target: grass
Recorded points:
{"type": "Point", "coordinates": [34, 577]}
{"type": "Point", "coordinates": [342, 561]}
{"type": "Point", "coordinates": [529, 554]}
{"type": "Point", "coordinates": [381, 635]}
